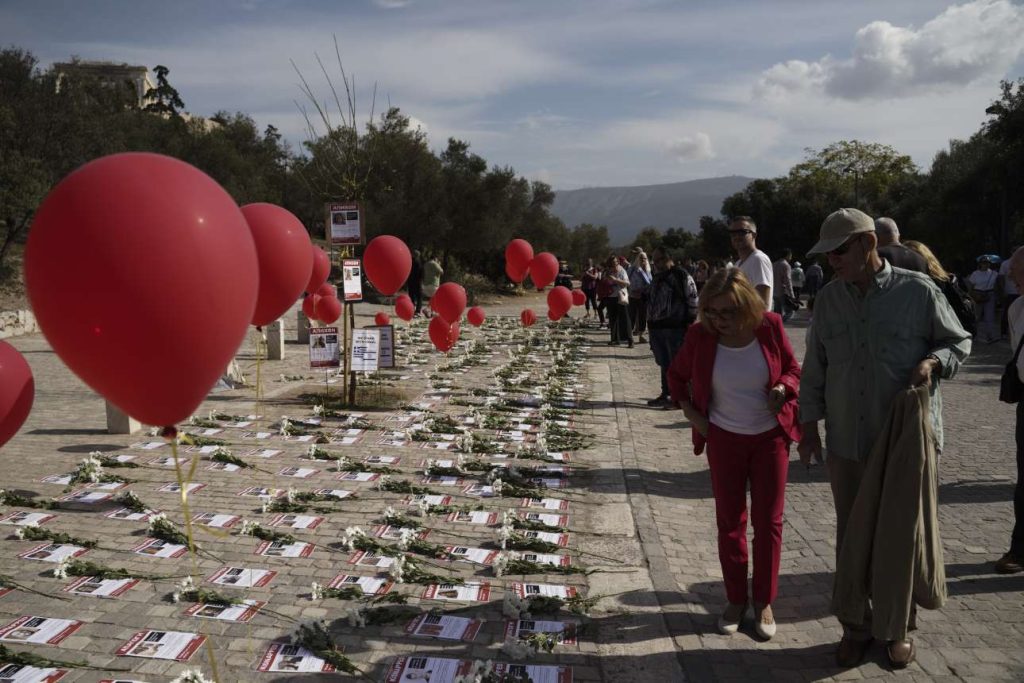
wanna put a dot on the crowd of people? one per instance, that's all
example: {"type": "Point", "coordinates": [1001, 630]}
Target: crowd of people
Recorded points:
{"type": "Point", "coordinates": [882, 334]}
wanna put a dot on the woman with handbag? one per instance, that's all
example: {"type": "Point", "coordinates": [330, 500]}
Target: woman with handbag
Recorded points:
{"type": "Point", "coordinates": [983, 291]}
{"type": "Point", "coordinates": [737, 380]}
{"type": "Point", "coordinates": [618, 302]}
{"type": "Point", "coordinates": [1013, 561]}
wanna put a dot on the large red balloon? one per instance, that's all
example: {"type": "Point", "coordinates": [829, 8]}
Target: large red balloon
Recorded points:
{"type": "Point", "coordinates": [578, 297]}
{"type": "Point", "coordinates": [476, 316]}
{"type": "Point", "coordinates": [560, 300]}
{"type": "Point", "coordinates": [404, 308]}
{"type": "Point", "coordinates": [285, 256]}
{"type": "Point", "coordinates": [449, 301]}
{"type": "Point", "coordinates": [17, 390]}
{"type": "Point", "coordinates": [309, 305]}
{"type": "Point", "coordinates": [554, 315]}
{"type": "Point", "coordinates": [543, 269]}
{"type": "Point", "coordinates": [321, 269]}
{"type": "Point", "coordinates": [328, 309]}
{"type": "Point", "coordinates": [381, 319]}
{"type": "Point", "coordinates": [327, 289]}
{"type": "Point", "coordinates": [527, 317]}
{"type": "Point", "coordinates": [387, 263]}
{"type": "Point", "coordinates": [123, 260]}
{"type": "Point", "coordinates": [443, 334]}
{"type": "Point", "coordinates": [518, 255]}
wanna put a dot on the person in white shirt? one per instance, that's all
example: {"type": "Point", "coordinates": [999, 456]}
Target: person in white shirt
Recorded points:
{"type": "Point", "coordinates": [983, 290]}
{"type": "Point", "coordinates": [754, 263]}
{"type": "Point", "coordinates": [1010, 292]}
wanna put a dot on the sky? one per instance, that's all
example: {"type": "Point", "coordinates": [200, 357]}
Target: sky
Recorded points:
{"type": "Point", "coordinates": [583, 93]}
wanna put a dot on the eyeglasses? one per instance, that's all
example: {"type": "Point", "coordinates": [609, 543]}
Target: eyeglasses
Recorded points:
{"type": "Point", "coordinates": [739, 233]}
{"type": "Point", "coordinates": [721, 313]}
{"type": "Point", "coordinates": [844, 247]}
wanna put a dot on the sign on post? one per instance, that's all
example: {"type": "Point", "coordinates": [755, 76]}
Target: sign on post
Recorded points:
{"type": "Point", "coordinates": [345, 223]}
{"type": "Point", "coordinates": [386, 353]}
{"type": "Point", "coordinates": [352, 281]}
{"type": "Point", "coordinates": [324, 350]}
{"type": "Point", "coordinates": [365, 350]}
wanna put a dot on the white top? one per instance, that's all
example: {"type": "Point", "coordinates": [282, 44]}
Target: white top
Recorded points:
{"type": "Point", "coordinates": [739, 391]}
{"type": "Point", "coordinates": [758, 269]}
{"type": "Point", "coordinates": [1016, 319]}
{"type": "Point", "coordinates": [983, 280]}
{"type": "Point", "coordinates": [1009, 286]}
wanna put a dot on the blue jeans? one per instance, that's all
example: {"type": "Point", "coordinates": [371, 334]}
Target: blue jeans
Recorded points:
{"type": "Point", "coordinates": [665, 342]}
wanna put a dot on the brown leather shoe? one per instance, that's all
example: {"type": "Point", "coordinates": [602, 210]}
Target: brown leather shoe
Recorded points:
{"type": "Point", "coordinates": [851, 652]}
{"type": "Point", "coordinates": [1009, 564]}
{"type": "Point", "coordinates": [901, 653]}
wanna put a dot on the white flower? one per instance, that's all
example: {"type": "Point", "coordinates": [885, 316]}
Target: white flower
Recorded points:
{"type": "Point", "coordinates": [61, 570]}
{"type": "Point", "coordinates": [383, 481]}
{"type": "Point", "coordinates": [249, 527]}
{"type": "Point", "coordinates": [312, 451]}
{"type": "Point", "coordinates": [501, 563]}
{"type": "Point", "coordinates": [514, 607]}
{"type": "Point", "coordinates": [351, 535]}
{"type": "Point", "coordinates": [356, 617]}
{"type": "Point", "coordinates": [154, 431]}
{"type": "Point", "coordinates": [505, 534]}
{"type": "Point", "coordinates": [292, 492]}
{"type": "Point", "coordinates": [267, 502]}
{"type": "Point", "coordinates": [318, 410]}
{"type": "Point", "coordinates": [191, 676]}
{"type": "Point", "coordinates": [318, 591]}
{"type": "Point", "coordinates": [285, 425]}
{"type": "Point", "coordinates": [517, 649]}
{"type": "Point", "coordinates": [497, 486]}
{"type": "Point", "coordinates": [405, 537]}
{"type": "Point", "coordinates": [397, 569]}
{"type": "Point", "coordinates": [421, 507]}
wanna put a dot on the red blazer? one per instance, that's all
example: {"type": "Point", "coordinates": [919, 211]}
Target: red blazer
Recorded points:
{"type": "Point", "coordinates": [689, 376]}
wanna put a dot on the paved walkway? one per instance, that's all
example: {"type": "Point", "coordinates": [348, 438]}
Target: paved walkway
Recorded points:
{"type": "Point", "coordinates": [643, 501]}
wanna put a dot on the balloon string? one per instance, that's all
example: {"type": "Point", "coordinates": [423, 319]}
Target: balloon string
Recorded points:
{"type": "Point", "coordinates": [183, 483]}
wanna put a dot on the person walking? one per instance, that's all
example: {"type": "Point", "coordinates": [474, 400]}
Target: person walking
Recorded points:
{"type": "Point", "coordinates": [1013, 561]}
{"type": "Point", "coordinates": [983, 282]}
{"type": "Point", "coordinates": [639, 283]}
{"type": "Point", "coordinates": [618, 301]}
{"type": "Point", "coordinates": [895, 252]}
{"type": "Point", "coordinates": [588, 283]}
{"type": "Point", "coordinates": [797, 276]}
{"type": "Point", "coordinates": [754, 263]}
{"type": "Point", "coordinates": [432, 272]}
{"type": "Point", "coordinates": [737, 380]}
{"type": "Point", "coordinates": [814, 279]}
{"type": "Point", "coordinates": [671, 308]}
{"type": "Point", "coordinates": [782, 285]}
{"type": "Point", "coordinates": [877, 331]}
{"type": "Point", "coordinates": [414, 285]}
{"type": "Point", "coordinates": [701, 275]}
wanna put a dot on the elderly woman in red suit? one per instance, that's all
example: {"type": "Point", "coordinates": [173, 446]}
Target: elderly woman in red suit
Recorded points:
{"type": "Point", "coordinates": [736, 379]}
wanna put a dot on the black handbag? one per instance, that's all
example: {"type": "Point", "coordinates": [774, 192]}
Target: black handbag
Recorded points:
{"type": "Point", "coordinates": [1011, 389]}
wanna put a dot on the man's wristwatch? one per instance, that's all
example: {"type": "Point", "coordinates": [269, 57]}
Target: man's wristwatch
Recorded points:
{"type": "Point", "coordinates": [932, 356]}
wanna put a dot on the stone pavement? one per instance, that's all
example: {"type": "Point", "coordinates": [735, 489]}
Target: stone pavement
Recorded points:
{"type": "Point", "coordinates": [640, 511]}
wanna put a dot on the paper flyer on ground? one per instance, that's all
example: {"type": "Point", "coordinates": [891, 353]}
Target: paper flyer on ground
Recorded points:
{"type": "Point", "coordinates": [176, 645]}
{"type": "Point", "coordinates": [545, 503]}
{"type": "Point", "coordinates": [297, 472]}
{"type": "Point", "coordinates": [334, 493]}
{"type": "Point", "coordinates": [430, 669]}
{"type": "Point", "coordinates": [550, 590]}
{"type": "Point", "coordinates": [292, 658]}
{"type": "Point", "coordinates": [444, 627]}
{"type": "Point", "coordinates": [20, 673]}
{"type": "Point", "coordinates": [370, 585]}
{"type": "Point", "coordinates": [53, 552]}
{"type": "Point", "coordinates": [241, 577]}
{"type": "Point", "coordinates": [547, 558]}
{"type": "Point", "coordinates": [86, 497]}
{"type": "Point", "coordinates": [296, 521]}
{"type": "Point", "coordinates": [545, 518]}
{"type": "Point", "coordinates": [371, 559]}
{"type": "Point", "coordinates": [382, 459]}
{"type": "Point", "coordinates": [536, 673]}
{"type": "Point", "coordinates": [23, 518]}
{"type": "Point", "coordinates": [261, 491]}
{"type": "Point", "coordinates": [100, 588]}
{"type": "Point", "coordinates": [394, 533]}
{"type": "Point", "coordinates": [474, 517]}
{"type": "Point", "coordinates": [39, 630]}
{"type": "Point", "coordinates": [283, 549]}
{"type": "Point", "coordinates": [155, 547]}
{"type": "Point", "coordinates": [566, 630]}
{"type": "Point", "coordinates": [467, 592]}
{"type": "Point", "coordinates": [129, 515]}
{"type": "Point", "coordinates": [215, 520]}
{"type": "Point", "coordinates": [429, 499]}
{"type": "Point", "coordinates": [239, 613]}
{"type": "Point", "coordinates": [173, 487]}
{"type": "Point", "coordinates": [561, 540]}
{"type": "Point", "coordinates": [482, 556]}
{"type": "Point", "coordinates": [359, 476]}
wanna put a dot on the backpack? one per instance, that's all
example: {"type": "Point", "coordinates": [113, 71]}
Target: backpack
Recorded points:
{"type": "Point", "coordinates": [667, 298]}
{"type": "Point", "coordinates": [960, 301]}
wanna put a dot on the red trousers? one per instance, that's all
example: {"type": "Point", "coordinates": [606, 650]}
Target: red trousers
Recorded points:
{"type": "Point", "coordinates": [763, 460]}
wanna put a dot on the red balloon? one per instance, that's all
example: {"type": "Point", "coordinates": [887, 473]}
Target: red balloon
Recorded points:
{"type": "Point", "coordinates": [387, 263]}
{"type": "Point", "coordinates": [381, 319]}
{"type": "Point", "coordinates": [404, 308]}
{"type": "Point", "coordinates": [543, 269]}
{"type": "Point", "coordinates": [554, 316]}
{"type": "Point", "coordinates": [309, 305]}
{"type": "Point", "coordinates": [321, 269]}
{"type": "Point", "coordinates": [143, 243]}
{"type": "Point", "coordinates": [578, 297]}
{"type": "Point", "coordinates": [443, 334]}
{"type": "Point", "coordinates": [328, 309]}
{"type": "Point", "coordinates": [515, 273]}
{"type": "Point", "coordinates": [285, 258]}
{"type": "Point", "coordinates": [476, 316]}
{"type": "Point", "coordinates": [327, 289]}
{"type": "Point", "coordinates": [518, 255]}
{"type": "Point", "coordinates": [527, 317]}
{"type": "Point", "coordinates": [449, 301]}
{"type": "Point", "coordinates": [17, 391]}
{"type": "Point", "coordinates": [560, 300]}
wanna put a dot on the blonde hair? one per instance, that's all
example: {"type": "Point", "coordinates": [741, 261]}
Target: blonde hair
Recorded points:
{"type": "Point", "coordinates": [935, 268]}
{"type": "Point", "coordinates": [731, 281]}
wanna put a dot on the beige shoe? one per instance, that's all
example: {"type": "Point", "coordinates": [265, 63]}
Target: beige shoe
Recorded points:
{"type": "Point", "coordinates": [730, 620]}
{"type": "Point", "coordinates": [764, 622]}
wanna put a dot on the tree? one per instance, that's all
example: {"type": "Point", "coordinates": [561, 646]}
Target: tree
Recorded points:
{"type": "Point", "coordinates": [647, 239]}
{"type": "Point", "coordinates": [163, 99]}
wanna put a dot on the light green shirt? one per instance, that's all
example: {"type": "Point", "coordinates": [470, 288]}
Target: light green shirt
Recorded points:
{"type": "Point", "coordinates": [432, 272]}
{"type": "Point", "coordinates": [862, 348]}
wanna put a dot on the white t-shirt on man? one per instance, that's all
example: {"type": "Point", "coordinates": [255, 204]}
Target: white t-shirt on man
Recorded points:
{"type": "Point", "coordinates": [758, 269]}
{"type": "Point", "coordinates": [1009, 286]}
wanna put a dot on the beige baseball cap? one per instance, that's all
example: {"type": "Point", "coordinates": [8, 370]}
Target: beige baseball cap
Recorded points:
{"type": "Point", "coordinates": [839, 227]}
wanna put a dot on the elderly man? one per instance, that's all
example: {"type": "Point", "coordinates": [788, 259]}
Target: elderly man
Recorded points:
{"type": "Point", "coordinates": [878, 330]}
{"type": "Point", "coordinates": [1013, 561]}
{"type": "Point", "coordinates": [891, 250]}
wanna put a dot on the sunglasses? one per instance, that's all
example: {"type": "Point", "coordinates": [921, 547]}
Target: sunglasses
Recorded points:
{"type": "Point", "coordinates": [736, 233]}
{"type": "Point", "coordinates": [721, 313]}
{"type": "Point", "coordinates": [844, 247]}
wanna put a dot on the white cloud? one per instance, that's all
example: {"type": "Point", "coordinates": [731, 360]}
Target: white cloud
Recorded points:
{"type": "Point", "coordinates": [962, 45]}
{"type": "Point", "coordinates": [392, 4]}
{"type": "Point", "coordinates": [695, 147]}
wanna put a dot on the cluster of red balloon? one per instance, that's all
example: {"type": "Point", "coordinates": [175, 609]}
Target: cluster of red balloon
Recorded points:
{"type": "Point", "coordinates": [17, 391]}
{"type": "Point", "coordinates": [559, 302]}
{"type": "Point", "coordinates": [317, 290]}
{"type": "Point", "coordinates": [448, 303]}
{"type": "Point", "coordinates": [476, 316]}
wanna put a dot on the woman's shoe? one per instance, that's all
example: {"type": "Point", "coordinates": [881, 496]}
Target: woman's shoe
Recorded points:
{"type": "Point", "coordinates": [764, 622]}
{"type": "Point", "coordinates": [730, 620]}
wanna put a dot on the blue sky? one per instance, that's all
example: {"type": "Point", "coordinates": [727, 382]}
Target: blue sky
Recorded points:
{"type": "Point", "coordinates": [577, 93]}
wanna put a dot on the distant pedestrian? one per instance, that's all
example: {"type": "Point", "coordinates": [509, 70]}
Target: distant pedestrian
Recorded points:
{"type": "Point", "coordinates": [671, 308]}
{"type": "Point", "coordinates": [797, 276]}
{"type": "Point", "coordinates": [813, 281]}
{"type": "Point", "coordinates": [1013, 561]}
{"type": "Point", "coordinates": [701, 275]}
{"type": "Point", "coordinates": [639, 283]}
{"type": "Point", "coordinates": [983, 282]}
{"type": "Point", "coordinates": [432, 272]}
{"type": "Point", "coordinates": [617, 302]}
{"type": "Point", "coordinates": [414, 285]}
{"type": "Point", "coordinates": [588, 283]}
{"type": "Point", "coordinates": [737, 381]}
{"type": "Point", "coordinates": [782, 285]}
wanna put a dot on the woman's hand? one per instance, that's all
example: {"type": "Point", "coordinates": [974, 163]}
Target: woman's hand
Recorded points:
{"type": "Point", "coordinates": [776, 398]}
{"type": "Point", "coordinates": [697, 421]}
